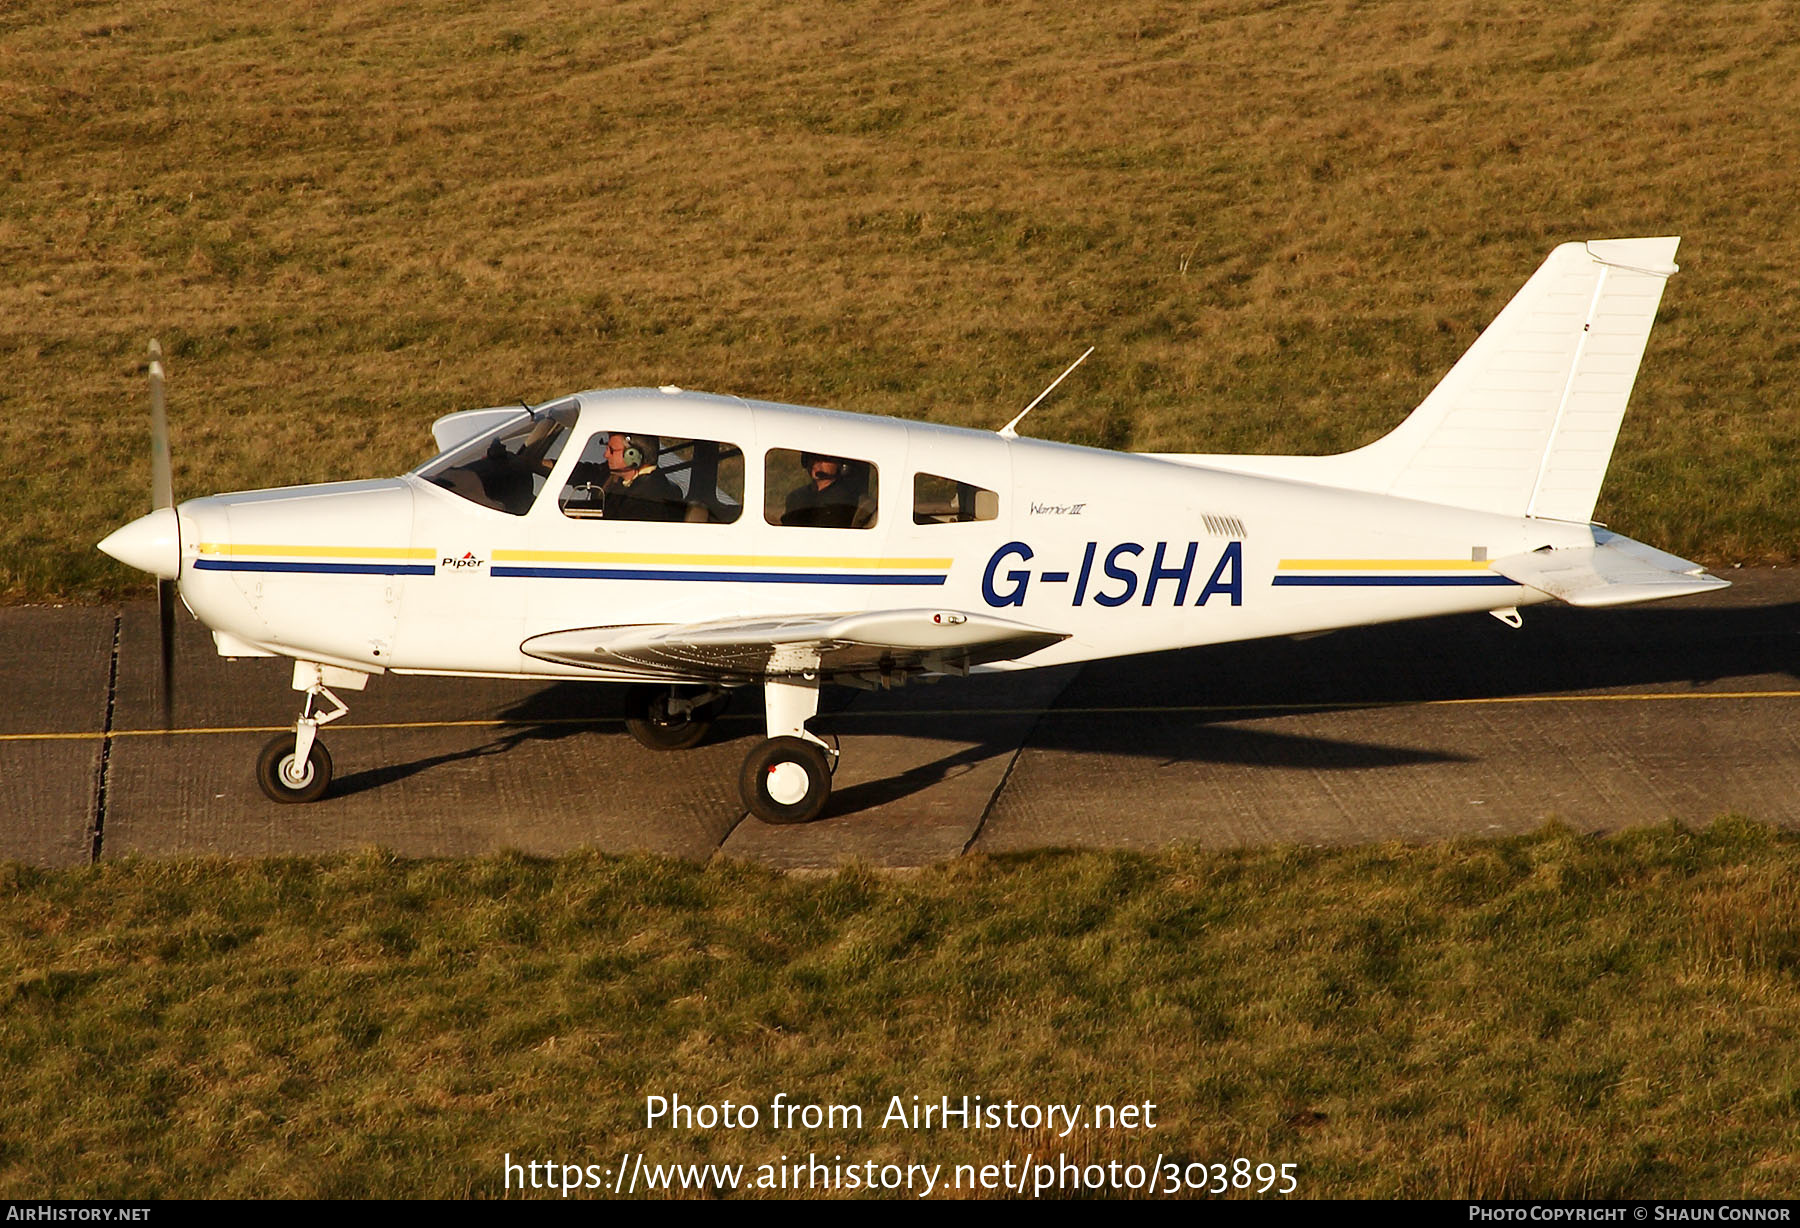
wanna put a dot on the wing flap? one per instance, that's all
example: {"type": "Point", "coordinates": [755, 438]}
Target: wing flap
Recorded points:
{"type": "Point", "coordinates": [1614, 571]}
{"type": "Point", "coordinates": [942, 641]}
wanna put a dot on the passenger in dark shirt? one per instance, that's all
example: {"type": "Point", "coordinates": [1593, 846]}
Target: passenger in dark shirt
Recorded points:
{"type": "Point", "coordinates": [836, 498]}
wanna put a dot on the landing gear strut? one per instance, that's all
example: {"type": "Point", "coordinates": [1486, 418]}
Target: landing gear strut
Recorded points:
{"type": "Point", "coordinates": [788, 778]}
{"type": "Point", "coordinates": [296, 767]}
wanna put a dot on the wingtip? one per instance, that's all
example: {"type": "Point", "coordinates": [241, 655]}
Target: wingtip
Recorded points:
{"type": "Point", "coordinates": [1655, 256]}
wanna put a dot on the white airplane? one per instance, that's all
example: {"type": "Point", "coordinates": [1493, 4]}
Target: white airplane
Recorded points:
{"type": "Point", "coordinates": [692, 544]}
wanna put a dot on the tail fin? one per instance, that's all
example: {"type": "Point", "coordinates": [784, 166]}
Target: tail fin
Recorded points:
{"type": "Point", "coordinates": [1524, 423]}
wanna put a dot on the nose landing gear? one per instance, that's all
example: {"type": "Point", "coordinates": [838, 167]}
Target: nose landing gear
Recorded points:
{"type": "Point", "coordinates": [296, 767]}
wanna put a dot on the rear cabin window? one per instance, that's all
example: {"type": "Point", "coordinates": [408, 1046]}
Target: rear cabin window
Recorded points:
{"type": "Point", "coordinates": [818, 490]}
{"type": "Point", "coordinates": [940, 500]}
{"type": "Point", "coordinates": [630, 475]}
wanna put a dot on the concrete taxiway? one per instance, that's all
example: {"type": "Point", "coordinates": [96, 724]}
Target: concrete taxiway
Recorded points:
{"type": "Point", "coordinates": [1682, 711]}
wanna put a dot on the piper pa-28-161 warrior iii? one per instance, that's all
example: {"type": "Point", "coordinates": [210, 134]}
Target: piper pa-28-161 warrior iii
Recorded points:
{"type": "Point", "coordinates": [690, 544]}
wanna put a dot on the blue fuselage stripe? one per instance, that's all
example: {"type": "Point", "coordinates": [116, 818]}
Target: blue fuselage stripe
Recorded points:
{"type": "Point", "coordinates": [741, 577]}
{"type": "Point", "coordinates": [341, 569]}
{"type": "Point", "coordinates": [1391, 581]}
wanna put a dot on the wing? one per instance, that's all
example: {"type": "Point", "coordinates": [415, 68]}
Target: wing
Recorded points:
{"type": "Point", "coordinates": [1613, 571]}
{"type": "Point", "coordinates": [871, 645]}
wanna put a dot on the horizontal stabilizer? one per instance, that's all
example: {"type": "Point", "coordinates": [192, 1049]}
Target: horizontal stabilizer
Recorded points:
{"type": "Point", "coordinates": [1613, 571]}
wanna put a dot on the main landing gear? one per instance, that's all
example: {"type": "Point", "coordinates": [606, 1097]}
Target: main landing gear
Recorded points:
{"type": "Point", "coordinates": [786, 779]}
{"type": "Point", "coordinates": [296, 767]}
{"type": "Point", "coordinates": [671, 717]}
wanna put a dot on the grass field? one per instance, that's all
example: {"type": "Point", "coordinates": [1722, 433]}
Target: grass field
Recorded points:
{"type": "Point", "coordinates": [1548, 1016]}
{"type": "Point", "coordinates": [1279, 223]}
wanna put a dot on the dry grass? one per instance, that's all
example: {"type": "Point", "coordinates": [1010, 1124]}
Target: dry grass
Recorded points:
{"type": "Point", "coordinates": [1550, 1016]}
{"type": "Point", "coordinates": [1279, 223]}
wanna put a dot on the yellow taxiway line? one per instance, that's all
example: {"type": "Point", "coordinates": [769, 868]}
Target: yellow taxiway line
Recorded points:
{"type": "Point", "coordinates": [1121, 710]}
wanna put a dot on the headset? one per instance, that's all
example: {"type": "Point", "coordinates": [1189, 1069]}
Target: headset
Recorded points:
{"type": "Point", "coordinates": [640, 450]}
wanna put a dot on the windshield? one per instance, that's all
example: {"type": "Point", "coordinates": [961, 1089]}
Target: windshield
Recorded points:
{"type": "Point", "coordinates": [506, 467]}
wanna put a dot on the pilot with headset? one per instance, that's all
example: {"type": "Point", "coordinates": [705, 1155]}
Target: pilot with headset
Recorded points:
{"type": "Point", "coordinates": [633, 488]}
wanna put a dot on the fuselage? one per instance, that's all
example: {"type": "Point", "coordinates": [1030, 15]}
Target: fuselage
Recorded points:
{"type": "Point", "coordinates": [450, 570]}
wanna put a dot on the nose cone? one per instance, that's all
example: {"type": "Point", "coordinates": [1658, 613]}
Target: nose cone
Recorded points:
{"type": "Point", "coordinates": [150, 543]}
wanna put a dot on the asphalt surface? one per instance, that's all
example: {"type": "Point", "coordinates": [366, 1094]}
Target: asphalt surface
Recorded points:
{"type": "Point", "coordinates": [1681, 711]}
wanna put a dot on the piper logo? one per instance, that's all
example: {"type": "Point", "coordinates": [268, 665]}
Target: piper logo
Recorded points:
{"type": "Point", "coordinates": [468, 562]}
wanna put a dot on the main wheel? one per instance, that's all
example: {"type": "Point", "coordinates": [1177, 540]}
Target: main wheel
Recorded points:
{"type": "Point", "coordinates": [786, 780]}
{"type": "Point", "coordinates": [649, 720]}
{"type": "Point", "coordinates": [280, 778]}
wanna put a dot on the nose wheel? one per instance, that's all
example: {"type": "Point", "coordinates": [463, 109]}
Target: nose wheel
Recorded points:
{"type": "Point", "coordinates": [285, 777]}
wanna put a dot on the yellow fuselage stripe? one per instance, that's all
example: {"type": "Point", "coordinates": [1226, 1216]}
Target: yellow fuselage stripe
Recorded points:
{"type": "Point", "coordinates": [242, 549]}
{"type": "Point", "coordinates": [1384, 565]}
{"type": "Point", "coordinates": [712, 560]}
{"type": "Point", "coordinates": [269, 550]}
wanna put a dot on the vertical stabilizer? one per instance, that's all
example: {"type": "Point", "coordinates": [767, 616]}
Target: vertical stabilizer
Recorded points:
{"type": "Point", "coordinates": [1524, 424]}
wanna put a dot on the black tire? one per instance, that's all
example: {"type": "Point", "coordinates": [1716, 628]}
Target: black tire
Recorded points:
{"type": "Point", "coordinates": [279, 755]}
{"type": "Point", "coordinates": [648, 719]}
{"type": "Point", "coordinates": [776, 794]}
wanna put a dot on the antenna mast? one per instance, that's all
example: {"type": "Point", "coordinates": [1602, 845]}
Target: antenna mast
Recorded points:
{"type": "Point", "coordinates": [1010, 430]}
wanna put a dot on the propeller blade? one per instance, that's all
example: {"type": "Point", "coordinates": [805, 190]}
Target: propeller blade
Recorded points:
{"type": "Point", "coordinates": [162, 494]}
{"type": "Point", "coordinates": [165, 614]}
{"type": "Point", "coordinates": [162, 486]}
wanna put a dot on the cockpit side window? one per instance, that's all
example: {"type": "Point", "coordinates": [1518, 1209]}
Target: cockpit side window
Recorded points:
{"type": "Point", "coordinates": [819, 490]}
{"type": "Point", "coordinates": [631, 475]}
{"type": "Point", "coordinates": [507, 467]}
